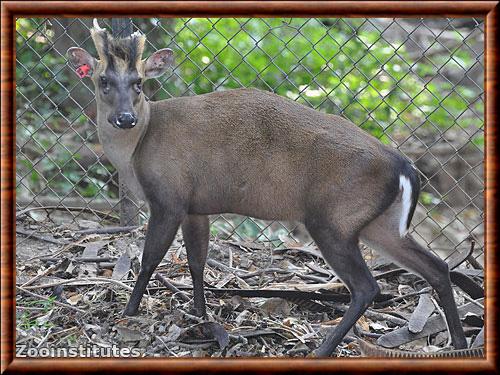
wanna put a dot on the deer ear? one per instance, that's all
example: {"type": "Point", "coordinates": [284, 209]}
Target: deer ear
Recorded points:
{"type": "Point", "coordinates": [82, 61]}
{"type": "Point", "coordinates": [158, 63]}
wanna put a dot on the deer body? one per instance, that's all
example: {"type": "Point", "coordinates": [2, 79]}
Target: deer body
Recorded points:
{"type": "Point", "coordinates": [255, 153]}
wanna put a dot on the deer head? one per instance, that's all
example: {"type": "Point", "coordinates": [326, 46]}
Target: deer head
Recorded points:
{"type": "Point", "coordinates": [118, 74]}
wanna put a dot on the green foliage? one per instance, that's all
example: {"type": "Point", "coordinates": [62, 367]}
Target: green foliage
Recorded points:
{"type": "Point", "coordinates": [428, 199]}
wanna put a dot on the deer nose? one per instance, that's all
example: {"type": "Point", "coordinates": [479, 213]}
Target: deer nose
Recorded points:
{"type": "Point", "coordinates": [126, 120]}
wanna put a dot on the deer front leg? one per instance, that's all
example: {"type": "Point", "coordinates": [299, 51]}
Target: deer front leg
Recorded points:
{"type": "Point", "coordinates": [195, 230]}
{"type": "Point", "coordinates": [162, 227]}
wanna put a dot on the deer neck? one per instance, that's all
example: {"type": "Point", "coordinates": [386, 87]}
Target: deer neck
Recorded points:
{"type": "Point", "coordinates": [120, 144]}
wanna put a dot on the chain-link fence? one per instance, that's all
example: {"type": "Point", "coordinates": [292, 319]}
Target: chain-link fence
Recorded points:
{"type": "Point", "coordinates": [416, 84]}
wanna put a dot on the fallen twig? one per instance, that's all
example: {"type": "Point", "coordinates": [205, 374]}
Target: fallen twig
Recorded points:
{"type": "Point", "coordinates": [390, 273]}
{"type": "Point", "coordinates": [66, 247]}
{"type": "Point", "coordinates": [44, 273]}
{"type": "Point", "coordinates": [441, 312]}
{"type": "Point", "coordinates": [473, 301]}
{"type": "Point", "coordinates": [458, 257]}
{"type": "Point", "coordinates": [33, 234]}
{"type": "Point", "coordinates": [66, 208]}
{"type": "Point", "coordinates": [172, 288]}
{"type": "Point", "coordinates": [260, 272]}
{"type": "Point", "coordinates": [107, 230]}
{"type": "Point", "coordinates": [400, 298]}
{"type": "Point", "coordinates": [223, 267]}
{"type": "Point", "coordinates": [375, 315]}
{"type": "Point", "coordinates": [87, 281]}
{"type": "Point", "coordinates": [360, 332]}
{"type": "Point", "coordinates": [316, 279]}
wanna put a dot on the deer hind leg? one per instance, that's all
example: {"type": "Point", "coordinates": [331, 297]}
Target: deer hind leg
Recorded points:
{"type": "Point", "coordinates": [383, 235]}
{"type": "Point", "coordinates": [343, 255]}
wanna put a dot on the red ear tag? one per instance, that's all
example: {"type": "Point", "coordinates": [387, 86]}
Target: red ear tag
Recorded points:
{"type": "Point", "coordinates": [83, 71]}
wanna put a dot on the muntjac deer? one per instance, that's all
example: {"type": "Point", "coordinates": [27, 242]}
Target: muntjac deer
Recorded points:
{"type": "Point", "coordinates": [255, 153]}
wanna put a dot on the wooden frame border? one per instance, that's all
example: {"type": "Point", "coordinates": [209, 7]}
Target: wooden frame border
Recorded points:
{"type": "Point", "coordinates": [12, 9]}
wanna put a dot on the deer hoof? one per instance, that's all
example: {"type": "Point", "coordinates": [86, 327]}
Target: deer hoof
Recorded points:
{"type": "Point", "coordinates": [320, 352]}
{"type": "Point", "coordinates": [130, 312]}
{"type": "Point", "coordinates": [199, 312]}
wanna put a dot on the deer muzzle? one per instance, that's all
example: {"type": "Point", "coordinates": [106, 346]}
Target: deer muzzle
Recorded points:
{"type": "Point", "coordinates": [123, 120]}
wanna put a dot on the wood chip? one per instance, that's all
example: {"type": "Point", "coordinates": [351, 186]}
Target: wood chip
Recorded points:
{"type": "Point", "coordinates": [421, 313]}
{"type": "Point", "coordinates": [90, 251]}
{"type": "Point", "coordinates": [122, 267]}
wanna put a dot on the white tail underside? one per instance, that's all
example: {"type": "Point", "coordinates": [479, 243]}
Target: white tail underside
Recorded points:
{"type": "Point", "coordinates": [405, 186]}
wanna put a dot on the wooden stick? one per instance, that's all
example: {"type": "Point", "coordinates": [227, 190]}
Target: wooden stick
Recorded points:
{"type": "Point", "coordinates": [108, 230]}
{"type": "Point", "coordinates": [57, 204]}
{"type": "Point", "coordinates": [40, 237]}
{"type": "Point", "coordinates": [44, 273]}
{"type": "Point", "coordinates": [173, 288]}
{"type": "Point", "coordinates": [89, 281]}
{"type": "Point", "coordinates": [400, 298]}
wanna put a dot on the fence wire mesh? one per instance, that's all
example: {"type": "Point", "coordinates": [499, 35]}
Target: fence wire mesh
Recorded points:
{"type": "Point", "coordinates": [416, 84]}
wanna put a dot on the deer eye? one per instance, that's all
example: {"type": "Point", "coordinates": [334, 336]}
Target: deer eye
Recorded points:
{"type": "Point", "coordinates": [138, 86]}
{"type": "Point", "coordinates": [105, 84]}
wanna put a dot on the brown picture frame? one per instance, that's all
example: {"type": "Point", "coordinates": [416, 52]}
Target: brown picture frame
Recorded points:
{"type": "Point", "coordinates": [13, 9]}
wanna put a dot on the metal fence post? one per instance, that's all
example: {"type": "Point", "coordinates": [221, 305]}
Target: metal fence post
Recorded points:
{"type": "Point", "coordinates": [129, 211]}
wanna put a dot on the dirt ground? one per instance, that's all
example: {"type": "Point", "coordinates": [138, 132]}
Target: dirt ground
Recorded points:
{"type": "Point", "coordinates": [73, 281]}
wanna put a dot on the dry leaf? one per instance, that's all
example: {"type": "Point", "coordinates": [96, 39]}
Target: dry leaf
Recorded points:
{"type": "Point", "coordinates": [363, 323]}
{"type": "Point", "coordinates": [74, 299]}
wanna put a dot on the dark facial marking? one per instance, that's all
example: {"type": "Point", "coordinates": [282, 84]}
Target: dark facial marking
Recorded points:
{"type": "Point", "coordinates": [122, 49]}
{"type": "Point", "coordinates": [133, 53]}
{"type": "Point", "coordinates": [105, 40]}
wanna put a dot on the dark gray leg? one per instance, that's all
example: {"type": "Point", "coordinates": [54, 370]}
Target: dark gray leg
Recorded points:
{"type": "Point", "coordinates": [435, 271]}
{"type": "Point", "coordinates": [382, 236]}
{"type": "Point", "coordinates": [344, 256]}
{"type": "Point", "coordinates": [195, 230]}
{"type": "Point", "coordinates": [447, 302]}
{"type": "Point", "coordinates": [162, 228]}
